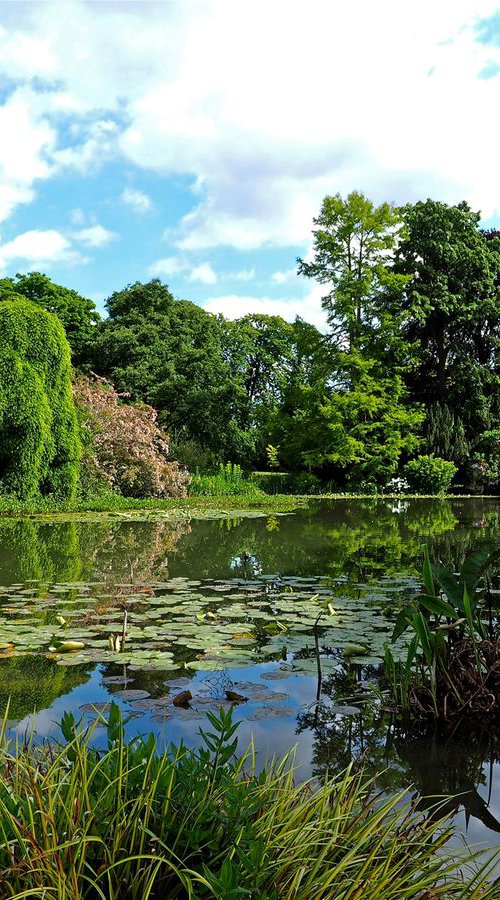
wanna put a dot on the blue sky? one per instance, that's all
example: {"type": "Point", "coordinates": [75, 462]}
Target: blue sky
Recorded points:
{"type": "Point", "coordinates": [194, 141]}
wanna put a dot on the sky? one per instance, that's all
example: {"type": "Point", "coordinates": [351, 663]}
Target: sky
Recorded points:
{"type": "Point", "coordinates": [194, 141]}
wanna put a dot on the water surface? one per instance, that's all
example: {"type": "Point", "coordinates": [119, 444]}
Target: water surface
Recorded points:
{"type": "Point", "coordinates": [247, 603]}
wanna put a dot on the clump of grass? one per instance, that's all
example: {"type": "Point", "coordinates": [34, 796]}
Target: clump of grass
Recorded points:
{"type": "Point", "coordinates": [228, 480]}
{"type": "Point", "coordinates": [130, 822]}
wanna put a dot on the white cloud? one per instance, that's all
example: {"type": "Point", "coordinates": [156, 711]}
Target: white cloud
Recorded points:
{"type": "Point", "coordinates": [39, 248]}
{"type": "Point", "coordinates": [137, 200]}
{"type": "Point", "coordinates": [283, 277]}
{"type": "Point", "coordinates": [382, 101]}
{"type": "Point", "coordinates": [233, 306]}
{"type": "Point", "coordinates": [242, 275]}
{"type": "Point", "coordinates": [77, 217]}
{"type": "Point", "coordinates": [169, 265]}
{"type": "Point", "coordinates": [24, 146]}
{"type": "Point", "coordinates": [94, 236]}
{"type": "Point", "coordinates": [203, 273]}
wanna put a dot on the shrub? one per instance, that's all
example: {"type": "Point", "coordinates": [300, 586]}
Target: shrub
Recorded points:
{"type": "Point", "coordinates": [133, 822]}
{"type": "Point", "coordinates": [484, 468]}
{"type": "Point", "coordinates": [124, 447]}
{"type": "Point", "coordinates": [39, 435]}
{"type": "Point", "coordinates": [430, 474]}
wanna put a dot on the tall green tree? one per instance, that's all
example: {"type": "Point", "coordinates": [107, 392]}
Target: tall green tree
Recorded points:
{"type": "Point", "coordinates": [353, 243]}
{"type": "Point", "coordinates": [355, 422]}
{"type": "Point", "coordinates": [452, 311]}
{"type": "Point", "coordinates": [78, 315]}
{"type": "Point", "coordinates": [170, 353]}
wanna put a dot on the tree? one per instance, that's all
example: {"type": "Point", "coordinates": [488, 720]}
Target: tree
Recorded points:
{"type": "Point", "coordinates": [78, 315]}
{"type": "Point", "coordinates": [39, 437]}
{"type": "Point", "coordinates": [170, 354]}
{"type": "Point", "coordinates": [353, 433]}
{"type": "Point", "coordinates": [353, 245]}
{"type": "Point", "coordinates": [452, 311]}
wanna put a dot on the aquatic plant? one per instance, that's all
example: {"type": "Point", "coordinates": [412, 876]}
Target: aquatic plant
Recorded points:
{"type": "Point", "coordinates": [81, 824]}
{"type": "Point", "coordinates": [452, 668]}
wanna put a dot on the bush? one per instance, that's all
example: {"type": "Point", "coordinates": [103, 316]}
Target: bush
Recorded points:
{"type": "Point", "coordinates": [39, 435]}
{"type": "Point", "coordinates": [124, 447]}
{"type": "Point", "coordinates": [430, 474]}
{"type": "Point", "coordinates": [133, 822]}
{"type": "Point", "coordinates": [229, 480]}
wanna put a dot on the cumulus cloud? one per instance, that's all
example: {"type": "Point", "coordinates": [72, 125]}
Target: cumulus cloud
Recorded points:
{"type": "Point", "coordinates": [94, 236]}
{"type": "Point", "coordinates": [203, 273]}
{"type": "Point", "coordinates": [283, 277]}
{"type": "Point", "coordinates": [382, 101]}
{"type": "Point", "coordinates": [39, 248]}
{"type": "Point", "coordinates": [169, 265]}
{"type": "Point", "coordinates": [242, 275]}
{"type": "Point", "coordinates": [137, 200]}
{"type": "Point", "coordinates": [233, 306]}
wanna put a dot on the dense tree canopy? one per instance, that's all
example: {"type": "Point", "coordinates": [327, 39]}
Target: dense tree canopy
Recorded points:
{"type": "Point", "coordinates": [407, 365]}
{"type": "Point", "coordinates": [170, 354]}
{"type": "Point", "coordinates": [77, 314]}
{"type": "Point", "coordinates": [452, 312]}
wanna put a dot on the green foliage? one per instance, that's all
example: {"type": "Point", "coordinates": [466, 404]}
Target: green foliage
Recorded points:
{"type": "Point", "coordinates": [229, 480]}
{"type": "Point", "coordinates": [457, 645]}
{"type": "Point", "coordinates": [204, 823]}
{"type": "Point", "coordinates": [288, 482]}
{"type": "Point", "coordinates": [354, 432]}
{"type": "Point", "coordinates": [451, 311]}
{"type": "Point", "coordinates": [39, 440]}
{"type": "Point", "coordinates": [444, 434]}
{"type": "Point", "coordinates": [272, 456]}
{"type": "Point", "coordinates": [485, 462]}
{"type": "Point", "coordinates": [77, 314]}
{"type": "Point", "coordinates": [170, 354]}
{"type": "Point", "coordinates": [353, 241]}
{"type": "Point", "coordinates": [430, 474]}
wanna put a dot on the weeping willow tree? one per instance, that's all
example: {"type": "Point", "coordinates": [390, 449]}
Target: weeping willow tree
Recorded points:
{"type": "Point", "coordinates": [39, 439]}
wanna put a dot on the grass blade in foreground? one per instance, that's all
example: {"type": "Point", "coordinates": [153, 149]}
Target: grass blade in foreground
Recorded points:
{"type": "Point", "coordinates": [133, 823]}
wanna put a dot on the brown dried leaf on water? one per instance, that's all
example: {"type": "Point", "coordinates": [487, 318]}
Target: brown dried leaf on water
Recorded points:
{"type": "Point", "coordinates": [234, 697]}
{"type": "Point", "coordinates": [183, 699]}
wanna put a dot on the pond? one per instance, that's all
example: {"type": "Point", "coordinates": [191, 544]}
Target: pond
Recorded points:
{"type": "Point", "coordinates": [290, 611]}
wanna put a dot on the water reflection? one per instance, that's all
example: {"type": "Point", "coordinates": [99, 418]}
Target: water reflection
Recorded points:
{"type": "Point", "coordinates": [335, 720]}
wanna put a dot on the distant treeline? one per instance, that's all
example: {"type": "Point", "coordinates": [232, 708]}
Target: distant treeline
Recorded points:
{"type": "Point", "coordinates": [408, 366]}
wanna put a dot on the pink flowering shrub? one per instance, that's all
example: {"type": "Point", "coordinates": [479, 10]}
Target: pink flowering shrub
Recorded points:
{"type": "Point", "coordinates": [125, 449]}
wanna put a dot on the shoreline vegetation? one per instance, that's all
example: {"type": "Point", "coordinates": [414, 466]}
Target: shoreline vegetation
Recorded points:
{"type": "Point", "coordinates": [114, 503]}
{"type": "Point", "coordinates": [139, 821]}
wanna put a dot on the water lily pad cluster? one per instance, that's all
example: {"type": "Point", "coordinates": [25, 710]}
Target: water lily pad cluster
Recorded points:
{"type": "Point", "coordinates": [186, 624]}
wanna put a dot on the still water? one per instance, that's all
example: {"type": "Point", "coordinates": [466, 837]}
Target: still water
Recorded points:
{"type": "Point", "coordinates": [290, 611]}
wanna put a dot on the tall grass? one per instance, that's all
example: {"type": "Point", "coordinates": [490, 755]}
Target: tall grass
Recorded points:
{"type": "Point", "coordinates": [228, 480]}
{"type": "Point", "coordinates": [130, 823]}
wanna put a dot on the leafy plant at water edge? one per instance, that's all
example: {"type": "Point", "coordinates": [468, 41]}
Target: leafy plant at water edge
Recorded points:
{"type": "Point", "coordinates": [79, 824]}
{"type": "Point", "coordinates": [453, 662]}
{"type": "Point", "coordinates": [125, 448]}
